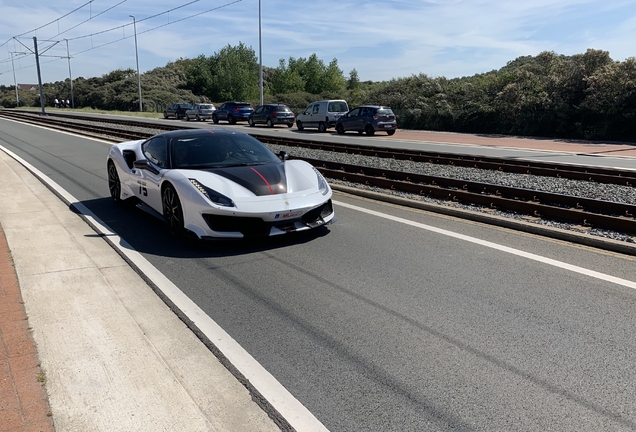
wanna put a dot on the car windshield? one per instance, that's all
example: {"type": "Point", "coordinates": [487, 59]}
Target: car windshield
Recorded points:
{"type": "Point", "coordinates": [282, 109]}
{"type": "Point", "coordinates": [208, 106]}
{"type": "Point", "coordinates": [218, 151]}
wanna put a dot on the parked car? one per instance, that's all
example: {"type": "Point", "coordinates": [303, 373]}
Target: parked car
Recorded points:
{"type": "Point", "coordinates": [200, 112]}
{"type": "Point", "coordinates": [272, 114]}
{"type": "Point", "coordinates": [233, 112]}
{"type": "Point", "coordinates": [176, 110]}
{"type": "Point", "coordinates": [369, 119]}
{"type": "Point", "coordinates": [322, 114]}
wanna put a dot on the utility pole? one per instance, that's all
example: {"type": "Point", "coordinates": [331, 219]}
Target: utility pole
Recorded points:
{"type": "Point", "coordinates": [137, 57]}
{"type": "Point", "coordinates": [68, 56]}
{"type": "Point", "coordinates": [37, 63]}
{"type": "Point", "coordinates": [17, 98]}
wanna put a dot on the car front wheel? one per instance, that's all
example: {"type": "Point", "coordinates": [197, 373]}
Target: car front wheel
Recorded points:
{"type": "Point", "coordinates": [172, 210]}
{"type": "Point", "coordinates": [250, 121]}
{"type": "Point", "coordinates": [369, 130]}
{"type": "Point", "coordinates": [215, 119]}
{"type": "Point", "coordinates": [340, 129]}
{"type": "Point", "coordinates": [299, 125]}
{"type": "Point", "coordinates": [269, 123]}
{"type": "Point", "coordinates": [321, 127]}
{"type": "Point", "coordinates": [114, 185]}
{"type": "Point", "coordinates": [231, 120]}
{"type": "Point", "coordinates": [165, 115]}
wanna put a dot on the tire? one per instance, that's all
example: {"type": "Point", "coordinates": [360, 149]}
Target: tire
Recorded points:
{"type": "Point", "coordinates": [215, 119]}
{"type": "Point", "coordinates": [321, 127]}
{"type": "Point", "coordinates": [198, 118]}
{"type": "Point", "coordinates": [251, 122]}
{"type": "Point", "coordinates": [290, 125]}
{"type": "Point", "coordinates": [165, 115]}
{"type": "Point", "coordinates": [340, 129]}
{"type": "Point", "coordinates": [369, 130]}
{"type": "Point", "coordinates": [299, 125]}
{"type": "Point", "coordinates": [269, 123]}
{"type": "Point", "coordinates": [172, 210]}
{"type": "Point", "coordinates": [114, 184]}
{"type": "Point", "coordinates": [390, 132]}
{"type": "Point", "coordinates": [231, 120]}
{"type": "Point", "coordinates": [187, 117]}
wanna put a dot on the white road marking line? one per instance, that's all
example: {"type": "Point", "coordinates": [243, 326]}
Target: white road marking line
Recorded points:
{"type": "Point", "coordinates": [513, 251]}
{"type": "Point", "coordinates": [290, 408]}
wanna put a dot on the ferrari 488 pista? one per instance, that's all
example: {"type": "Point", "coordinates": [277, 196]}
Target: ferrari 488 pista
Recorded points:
{"type": "Point", "coordinates": [219, 184]}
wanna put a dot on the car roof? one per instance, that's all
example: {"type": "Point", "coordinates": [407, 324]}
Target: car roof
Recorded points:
{"type": "Point", "coordinates": [183, 133]}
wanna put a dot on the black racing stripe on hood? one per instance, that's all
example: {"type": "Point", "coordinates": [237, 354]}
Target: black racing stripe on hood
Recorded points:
{"type": "Point", "coordinates": [262, 180]}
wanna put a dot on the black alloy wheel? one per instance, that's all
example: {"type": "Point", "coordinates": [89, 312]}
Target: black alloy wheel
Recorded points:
{"type": "Point", "coordinates": [269, 123]}
{"type": "Point", "coordinates": [299, 125]}
{"type": "Point", "coordinates": [321, 127]}
{"type": "Point", "coordinates": [114, 185]}
{"type": "Point", "coordinates": [172, 210]}
{"type": "Point", "coordinates": [340, 129]}
{"type": "Point", "coordinates": [215, 119]}
{"type": "Point", "coordinates": [231, 120]}
{"type": "Point", "coordinates": [369, 130]}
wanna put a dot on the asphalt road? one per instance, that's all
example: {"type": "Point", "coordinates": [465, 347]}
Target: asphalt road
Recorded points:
{"type": "Point", "coordinates": [398, 320]}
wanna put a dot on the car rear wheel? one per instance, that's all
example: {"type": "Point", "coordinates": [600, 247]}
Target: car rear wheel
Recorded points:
{"type": "Point", "coordinates": [340, 129]}
{"type": "Point", "coordinates": [269, 123]}
{"type": "Point", "coordinates": [231, 120]}
{"type": "Point", "coordinates": [299, 125]}
{"type": "Point", "coordinates": [215, 119]}
{"type": "Point", "coordinates": [321, 127]}
{"type": "Point", "coordinates": [250, 121]}
{"type": "Point", "coordinates": [289, 125]}
{"type": "Point", "coordinates": [369, 130]}
{"type": "Point", "coordinates": [114, 185]}
{"type": "Point", "coordinates": [390, 132]}
{"type": "Point", "coordinates": [172, 210]}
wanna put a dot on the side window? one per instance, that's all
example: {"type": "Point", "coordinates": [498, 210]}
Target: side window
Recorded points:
{"type": "Point", "coordinates": [222, 107]}
{"type": "Point", "coordinates": [367, 112]}
{"type": "Point", "coordinates": [354, 113]}
{"type": "Point", "coordinates": [156, 151]}
{"type": "Point", "coordinates": [308, 110]}
{"type": "Point", "coordinates": [316, 109]}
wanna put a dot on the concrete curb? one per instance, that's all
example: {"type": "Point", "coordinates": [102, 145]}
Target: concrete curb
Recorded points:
{"type": "Point", "coordinates": [545, 231]}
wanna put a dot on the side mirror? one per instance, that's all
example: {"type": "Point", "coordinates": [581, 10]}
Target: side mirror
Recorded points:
{"type": "Point", "coordinates": [283, 155]}
{"type": "Point", "coordinates": [145, 165]}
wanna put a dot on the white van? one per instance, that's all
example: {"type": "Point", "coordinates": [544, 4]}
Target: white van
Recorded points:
{"type": "Point", "coordinates": [322, 114]}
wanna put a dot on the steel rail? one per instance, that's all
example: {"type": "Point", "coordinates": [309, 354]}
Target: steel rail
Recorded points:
{"type": "Point", "coordinates": [584, 211]}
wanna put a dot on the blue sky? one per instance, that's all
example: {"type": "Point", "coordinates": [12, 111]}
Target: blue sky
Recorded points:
{"type": "Point", "coordinates": [380, 39]}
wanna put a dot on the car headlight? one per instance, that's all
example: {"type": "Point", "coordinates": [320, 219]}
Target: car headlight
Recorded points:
{"type": "Point", "coordinates": [212, 195]}
{"type": "Point", "coordinates": [323, 187]}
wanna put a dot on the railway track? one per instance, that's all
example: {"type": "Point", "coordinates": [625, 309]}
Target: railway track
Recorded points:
{"type": "Point", "coordinates": [606, 215]}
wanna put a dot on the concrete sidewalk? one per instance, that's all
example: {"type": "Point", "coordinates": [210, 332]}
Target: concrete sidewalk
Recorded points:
{"type": "Point", "coordinates": [112, 355]}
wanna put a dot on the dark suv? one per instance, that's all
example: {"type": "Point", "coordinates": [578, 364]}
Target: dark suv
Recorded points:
{"type": "Point", "coordinates": [272, 114]}
{"type": "Point", "coordinates": [369, 119]}
{"type": "Point", "coordinates": [177, 110]}
{"type": "Point", "coordinates": [233, 112]}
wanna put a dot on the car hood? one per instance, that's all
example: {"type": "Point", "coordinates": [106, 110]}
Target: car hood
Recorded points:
{"type": "Point", "coordinates": [258, 181]}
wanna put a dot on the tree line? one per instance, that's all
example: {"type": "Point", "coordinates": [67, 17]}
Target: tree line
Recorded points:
{"type": "Point", "coordinates": [583, 96]}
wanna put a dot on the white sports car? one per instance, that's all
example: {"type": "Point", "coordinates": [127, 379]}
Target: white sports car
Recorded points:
{"type": "Point", "coordinates": [219, 184]}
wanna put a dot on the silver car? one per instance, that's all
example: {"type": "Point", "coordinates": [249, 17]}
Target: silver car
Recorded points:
{"type": "Point", "coordinates": [200, 112]}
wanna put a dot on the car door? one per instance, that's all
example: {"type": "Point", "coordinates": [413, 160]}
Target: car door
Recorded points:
{"type": "Point", "coordinates": [146, 183]}
{"type": "Point", "coordinates": [221, 113]}
{"type": "Point", "coordinates": [351, 120]}
{"type": "Point", "coordinates": [258, 115]}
